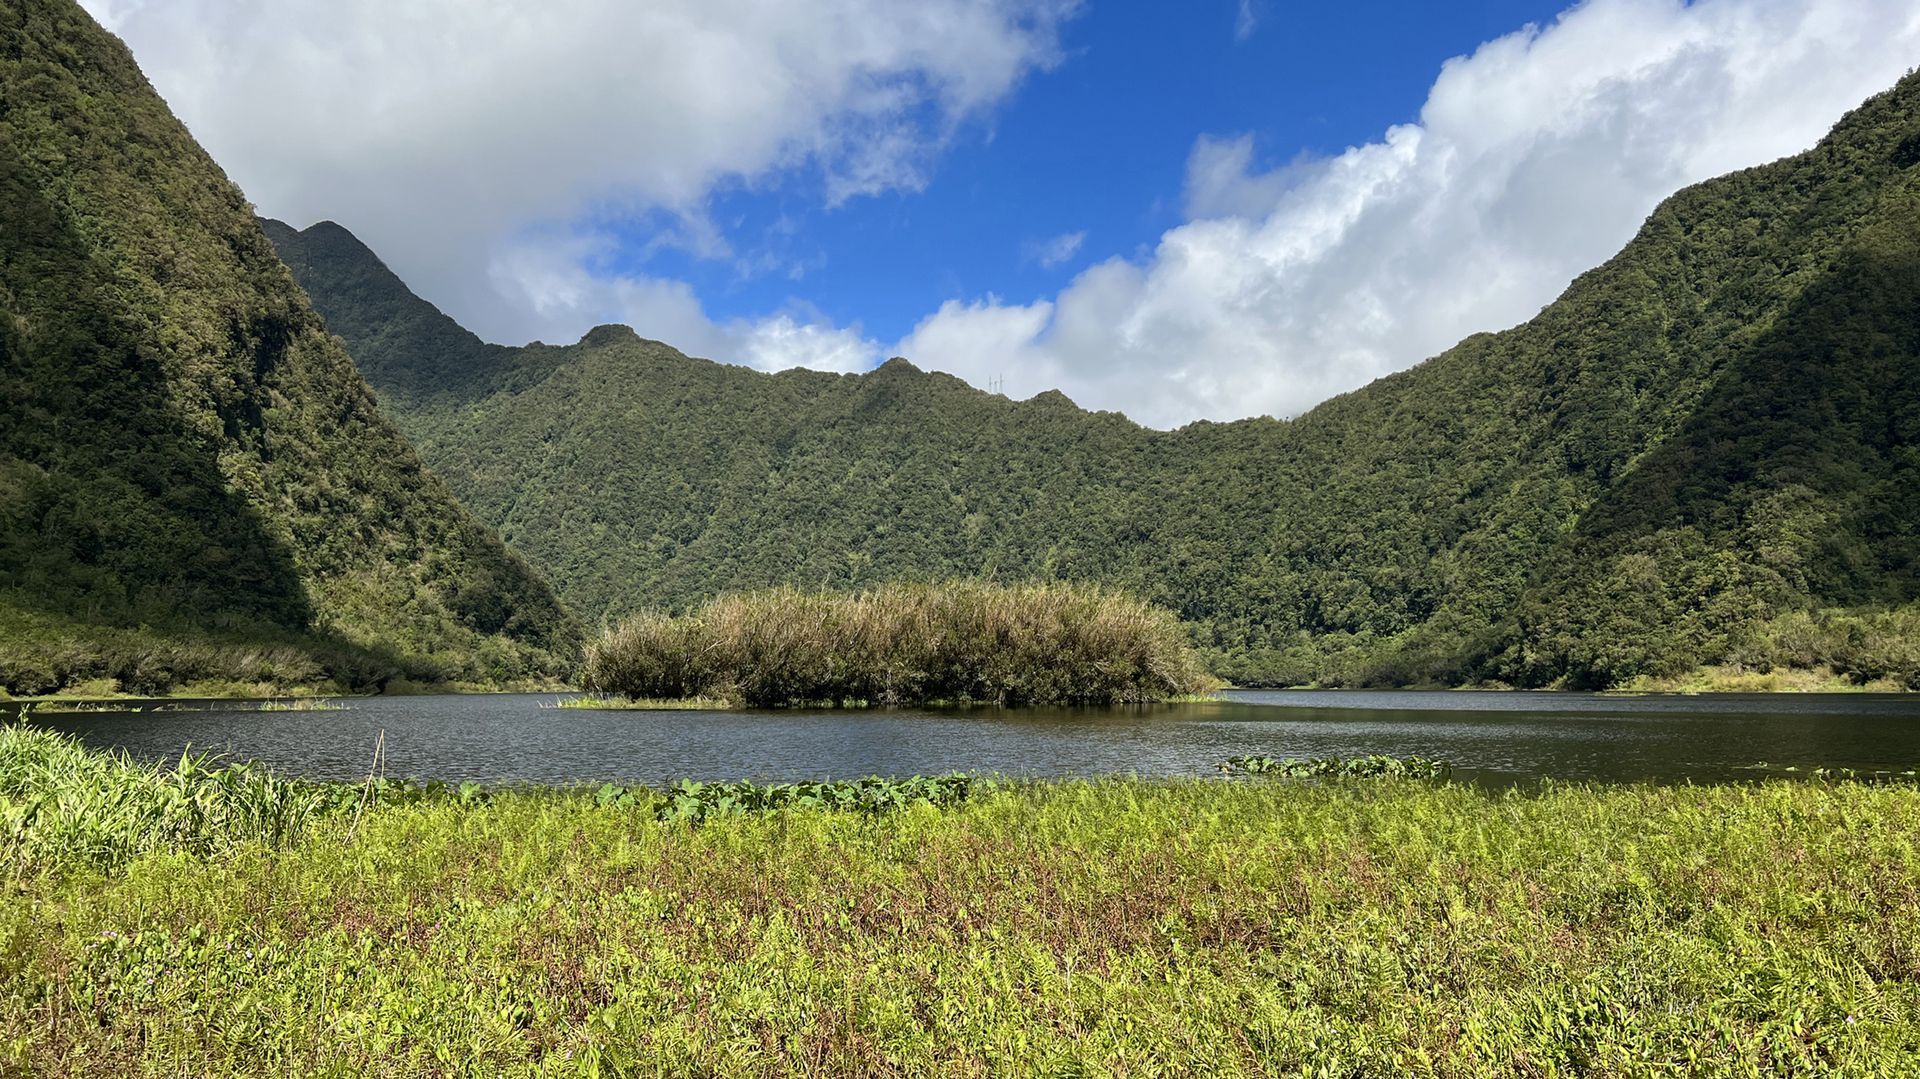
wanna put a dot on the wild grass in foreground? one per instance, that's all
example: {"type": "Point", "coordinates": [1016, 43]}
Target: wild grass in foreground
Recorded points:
{"type": "Point", "coordinates": [954, 642]}
{"type": "Point", "coordinates": [1253, 926]}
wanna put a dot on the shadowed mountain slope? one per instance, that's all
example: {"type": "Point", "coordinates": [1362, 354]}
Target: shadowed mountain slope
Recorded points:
{"type": "Point", "coordinates": [195, 483]}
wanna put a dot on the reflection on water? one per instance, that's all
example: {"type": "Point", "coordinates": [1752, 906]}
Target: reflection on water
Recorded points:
{"type": "Point", "coordinates": [1490, 736]}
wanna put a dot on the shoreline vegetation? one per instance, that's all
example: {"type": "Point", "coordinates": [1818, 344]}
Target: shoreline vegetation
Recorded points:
{"type": "Point", "coordinates": [46, 656]}
{"type": "Point", "coordinates": [223, 921]}
{"type": "Point", "coordinates": [956, 642]}
{"type": "Point", "coordinates": [1734, 679]}
{"type": "Point", "coordinates": [1703, 681]}
{"type": "Point", "coordinates": [645, 704]}
{"type": "Point", "coordinates": [721, 704]}
{"type": "Point", "coordinates": [1697, 682]}
{"type": "Point", "coordinates": [106, 691]}
{"type": "Point", "coordinates": [30, 709]}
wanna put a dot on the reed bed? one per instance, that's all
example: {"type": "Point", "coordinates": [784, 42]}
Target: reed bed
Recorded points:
{"type": "Point", "coordinates": [303, 704]}
{"type": "Point", "coordinates": [954, 642]}
{"type": "Point", "coordinates": [646, 704]}
{"type": "Point", "coordinates": [1257, 925]}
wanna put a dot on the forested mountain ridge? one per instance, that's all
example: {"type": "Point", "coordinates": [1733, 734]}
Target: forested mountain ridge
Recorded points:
{"type": "Point", "coordinates": [414, 353]}
{"type": "Point", "coordinates": [614, 463]}
{"type": "Point", "coordinates": [195, 483]}
{"type": "Point", "coordinates": [1704, 440]}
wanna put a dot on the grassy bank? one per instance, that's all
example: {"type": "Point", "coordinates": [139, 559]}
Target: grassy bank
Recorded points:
{"type": "Point", "coordinates": [47, 656]}
{"type": "Point", "coordinates": [897, 644]}
{"type": "Point", "coordinates": [1825, 650]}
{"type": "Point", "coordinates": [27, 710]}
{"type": "Point", "coordinates": [1253, 926]}
{"type": "Point", "coordinates": [106, 691]}
{"type": "Point", "coordinates": [1735, 679]}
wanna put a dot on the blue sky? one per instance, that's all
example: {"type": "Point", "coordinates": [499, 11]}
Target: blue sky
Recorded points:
{"type": "Point", "coordinates": [1171, 210]}
{"type": "Point", "coordinates": [1096, 147]}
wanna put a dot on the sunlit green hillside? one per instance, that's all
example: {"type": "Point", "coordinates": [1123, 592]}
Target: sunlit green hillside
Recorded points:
{"type": "Point", "coordinates": [1715, 428]}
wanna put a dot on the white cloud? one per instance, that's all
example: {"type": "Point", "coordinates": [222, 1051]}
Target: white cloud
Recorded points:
{"type": "Point", "coordinates": [988, 340]}
{"type": "Point", "coordinates": [455, 135]}
{"type": "Point", "coordinates": [551, 282]}
{"type": "Point", "coordinates": [1533, 159]}
{"type": "Point", "coordinates": [1246, 20]}
{"type": "Point", "coordinates": [781, 342]}
{"type": "Point", "coordinates": [1221, 181]}
{"type": "Point", "coordinates": [1053, 252]}
{"type": "Point", "coordinates": [441, 130]}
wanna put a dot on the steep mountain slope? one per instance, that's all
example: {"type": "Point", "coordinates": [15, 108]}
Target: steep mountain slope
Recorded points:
{"type": "Point", "coordinates": [1795, 480]}
{"type": "Point", "coordinates": [414, 353]}
{"type": "Point", "coordinates": [194, 481]}
{"type": "Point", "coordinates": [1711, 430]}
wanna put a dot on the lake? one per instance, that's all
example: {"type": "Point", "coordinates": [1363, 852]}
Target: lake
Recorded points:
{"type": "Point", "coordinates": [1495, 737]}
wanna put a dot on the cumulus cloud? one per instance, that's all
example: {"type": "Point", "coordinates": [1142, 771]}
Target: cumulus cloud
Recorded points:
{"type": "Point", "coordinates": [442, 130]}
{"type": "Point", "coordinates": [460, 138]}
{"type": "Point", "coordinates": [558, 293]}
{"type": "Point", "coordinates": [1222, 180]}
{"type": "Point", "coordinates": [988, 341]}
{"type": "Point", "coordinates": [1532, 160]}
{"type": "Point", "coordinates": [1053, 252]}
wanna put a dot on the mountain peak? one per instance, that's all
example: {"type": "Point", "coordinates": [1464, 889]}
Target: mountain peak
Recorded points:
{"type": "Point", "coordinates": [1053, 399]}
{"type": "Point", "coordinates": [608, 333]}
{"type": "Point", "coordinates": [429, 354]}
{"type": "Point", "coordinates": [329, 229]}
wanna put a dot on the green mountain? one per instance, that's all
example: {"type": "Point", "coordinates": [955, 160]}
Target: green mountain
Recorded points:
{"type": "Point", "coordinates": [195, 483]}
{"type": "Point", "coordinates": [1704, 452]}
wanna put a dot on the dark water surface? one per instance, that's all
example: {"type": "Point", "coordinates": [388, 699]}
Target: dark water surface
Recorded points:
{"type": "Point", "coordinates": [1490, 736]}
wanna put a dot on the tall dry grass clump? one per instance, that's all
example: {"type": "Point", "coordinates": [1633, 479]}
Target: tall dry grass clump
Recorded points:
{"type": "Point", "coordinates": [957, 641]}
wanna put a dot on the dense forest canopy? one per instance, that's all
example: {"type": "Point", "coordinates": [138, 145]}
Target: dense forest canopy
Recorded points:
{"type": "Point", "coordinates": [195, 483]}
{"type": "Point", "coordinates": [1710, 433]}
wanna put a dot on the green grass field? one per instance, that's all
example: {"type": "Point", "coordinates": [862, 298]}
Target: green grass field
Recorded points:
{"type": "Point", "coordinates": [201, 921]}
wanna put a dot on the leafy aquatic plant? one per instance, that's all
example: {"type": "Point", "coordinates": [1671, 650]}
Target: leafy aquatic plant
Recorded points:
{"type": "Point", "coordinates": [695, 801]}
{"type": "Point", "coordinates": [1336, 768]}
{"type": "Point", "coordinates": [1840, 774]}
